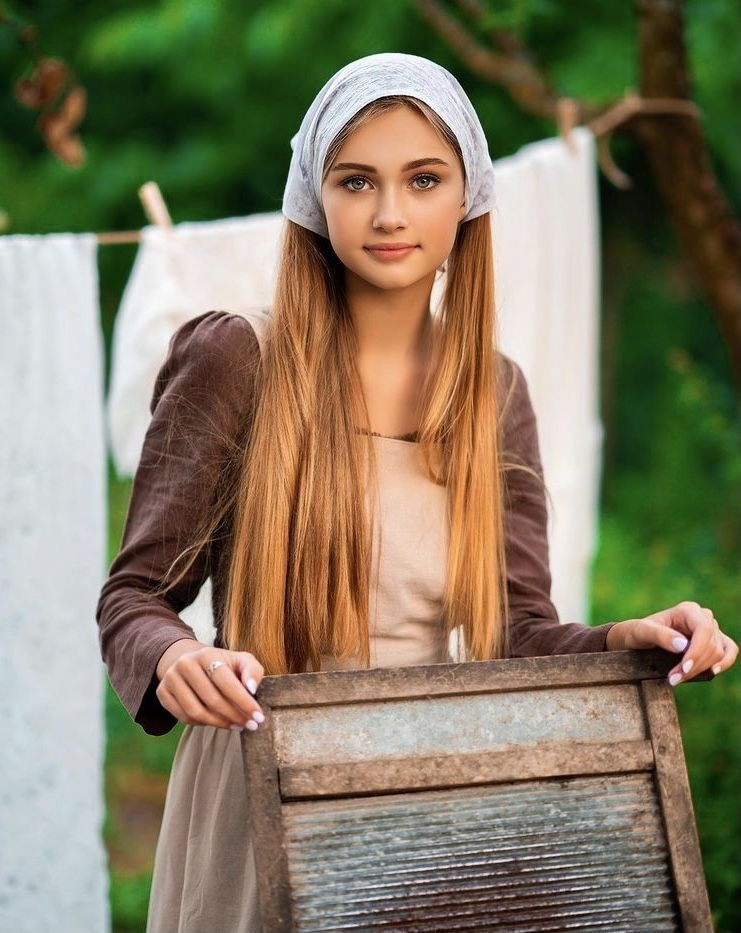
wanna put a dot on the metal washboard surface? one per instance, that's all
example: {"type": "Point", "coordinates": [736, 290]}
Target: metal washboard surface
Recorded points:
{"type": "Point", "coordinates": [533, 794]}
{"type": "Point", "coordinates": [544, 855]}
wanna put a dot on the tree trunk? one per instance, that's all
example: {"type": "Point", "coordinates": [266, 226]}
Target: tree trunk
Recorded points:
{"type": "Point", "coordinates": [707, 230]}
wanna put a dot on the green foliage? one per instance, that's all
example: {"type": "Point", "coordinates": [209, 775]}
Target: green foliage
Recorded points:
{"type": "Point", "coordinates": [129, 900]}
{"type": "Point", "coordinates": [673, 532]}
{"type": "Point", "coordinates": [714, 48]}
{"type": "Point", "coordinates": [127, 742]}
{"type": "Point", "coordinates": [204, 97]}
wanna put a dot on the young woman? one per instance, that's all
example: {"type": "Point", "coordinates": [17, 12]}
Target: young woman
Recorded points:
{"type": "Point", "coordinates": [357, 476]}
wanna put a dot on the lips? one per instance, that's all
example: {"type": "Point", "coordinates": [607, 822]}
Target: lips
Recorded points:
{"type": "Point", "coordinates": [391, 250]}
{"type": "Point", "coordinates": [395, 245]}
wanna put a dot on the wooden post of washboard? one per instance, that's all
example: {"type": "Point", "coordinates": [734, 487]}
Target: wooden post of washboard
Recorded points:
{"type": "Point", "coordinates": [524, 794]}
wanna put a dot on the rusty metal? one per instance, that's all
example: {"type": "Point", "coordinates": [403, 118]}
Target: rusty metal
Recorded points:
{"type": "Point", "coordinates": [578, 854]}
{"type": "Point", "coordinates": [536, 794]}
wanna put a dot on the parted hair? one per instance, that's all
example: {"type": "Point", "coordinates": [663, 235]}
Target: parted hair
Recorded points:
{"type": "Point", "coordinates": [303, 495]}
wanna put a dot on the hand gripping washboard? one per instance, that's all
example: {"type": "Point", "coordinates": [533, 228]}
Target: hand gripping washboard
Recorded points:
{"type": "Point", "coordinates": [526, 794]}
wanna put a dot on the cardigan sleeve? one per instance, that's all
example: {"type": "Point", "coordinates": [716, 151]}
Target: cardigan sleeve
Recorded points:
{"type": "Point", "coordinates": [198, 406]}
{"type": "Point", "coordinates": [535, 628]}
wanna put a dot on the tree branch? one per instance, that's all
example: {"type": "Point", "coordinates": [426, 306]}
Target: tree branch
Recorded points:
{"type": "Point", "coordinates": [512, 68]}
{"type": "Point", "coordinates": [675, 147]}
{"type": "Point", "coordinates": [676, 150]}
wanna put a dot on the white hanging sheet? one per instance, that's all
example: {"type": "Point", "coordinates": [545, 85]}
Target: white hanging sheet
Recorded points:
{"type": "Point", "coordinates": [53, 495]}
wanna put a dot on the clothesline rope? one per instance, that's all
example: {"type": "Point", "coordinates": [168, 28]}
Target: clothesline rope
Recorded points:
{"type": "Point", "coordinates": [602, 126]}
{"type": "Point", "coordinates": [155, 209]}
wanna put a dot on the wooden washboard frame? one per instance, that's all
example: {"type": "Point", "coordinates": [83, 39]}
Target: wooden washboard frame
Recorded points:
{"type": "Point", "coordinates": [546, 793]}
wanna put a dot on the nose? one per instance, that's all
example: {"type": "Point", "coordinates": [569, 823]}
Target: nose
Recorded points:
{"type": "Point", "coordinates": [388, 214]}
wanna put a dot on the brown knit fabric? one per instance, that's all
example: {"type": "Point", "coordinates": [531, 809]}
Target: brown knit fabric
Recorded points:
{"type": "Point", "coordinates": [204, 872]}
{"type": "Point", "coordinates": [203, 388]}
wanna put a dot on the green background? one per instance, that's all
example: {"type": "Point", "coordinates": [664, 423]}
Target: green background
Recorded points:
{"type": "Point", "coordinates": [203, 97]}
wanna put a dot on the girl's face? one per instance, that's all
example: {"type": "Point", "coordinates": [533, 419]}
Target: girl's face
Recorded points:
{"type": "Point", "coordinates": [372, 196]}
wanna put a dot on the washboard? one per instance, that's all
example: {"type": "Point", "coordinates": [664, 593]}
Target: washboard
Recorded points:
{"type": "Point", "coordinates": [525, 794]}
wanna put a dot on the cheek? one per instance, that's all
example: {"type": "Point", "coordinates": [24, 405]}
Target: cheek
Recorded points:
{"type": "Point", "coordinates": [445, 205]}
{"type": "Point", "coordinates": [436, 218]}
{"type": "Point", "coordinates": [343, 235]}
{"type": "Point", "coordinates": [340, 215]}
{"type": "Point", "coordinates": [438, 224]}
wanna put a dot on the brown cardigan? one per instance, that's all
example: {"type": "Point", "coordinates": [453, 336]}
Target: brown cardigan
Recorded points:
{"type": "Point", "coordinates": [201, 398]}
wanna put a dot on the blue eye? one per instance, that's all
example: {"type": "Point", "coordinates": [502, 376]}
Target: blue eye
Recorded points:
{"type": "Point", "coordinates": [348, 181]}
{"type": "Point", "coordinates": [354, 178]}
{"type": "Point", "coordinates": [432, 177]}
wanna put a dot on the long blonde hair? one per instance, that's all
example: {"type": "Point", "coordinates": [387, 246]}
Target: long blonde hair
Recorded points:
{"type": "Point", "coordinates": [300, 564]}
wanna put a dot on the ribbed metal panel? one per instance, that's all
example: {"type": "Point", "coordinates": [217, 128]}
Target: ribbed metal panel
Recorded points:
{"type": "Point", "coordinates": [457, 725]}
{"type": "Point", "coordinates": [576, 854]}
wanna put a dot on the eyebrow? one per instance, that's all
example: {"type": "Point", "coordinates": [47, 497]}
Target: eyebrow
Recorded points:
{"type": "Point", "coordinates": [342, 166]}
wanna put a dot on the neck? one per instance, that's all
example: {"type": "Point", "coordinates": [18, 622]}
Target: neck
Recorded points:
{"type": "Point", "coordinates": [392, 326]}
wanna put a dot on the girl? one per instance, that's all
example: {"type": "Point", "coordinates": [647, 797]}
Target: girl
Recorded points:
{"type": "Point", "coordinates": [357, 476]}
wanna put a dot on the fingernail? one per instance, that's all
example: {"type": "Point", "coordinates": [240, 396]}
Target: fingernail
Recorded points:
{"type": "Point", "coordinates": [687, 666]}
{"type": "Point", "coordinates": [258, 716]}
{"type": "Point", "coordinates": [237, 728]}
{"type": "Point", "coordinates": [252, 685]}
{"type": "Point", "coordinates": [716, 668]}
{"type": "Point", "coordinates": [251, 725]}
{"type": "Point", "coordinates": [679, 643]}
{"type": "Point", "coordinates": [673, 680]}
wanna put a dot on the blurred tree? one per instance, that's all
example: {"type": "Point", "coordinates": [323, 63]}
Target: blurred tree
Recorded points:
{"type": "Point", "coordinates": [205, 96]}
{"type": "Point", "coordinates": [674, 143]}
{"type": "Point", "coordinates": [51, 89]}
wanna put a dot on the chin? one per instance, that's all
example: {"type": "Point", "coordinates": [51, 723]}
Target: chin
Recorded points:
{"type": "Point", "coordinates": [393, 275]}
{"type": "Point", "coordinates": [391, 281]}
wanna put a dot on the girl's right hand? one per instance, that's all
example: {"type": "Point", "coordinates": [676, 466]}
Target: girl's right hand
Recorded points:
{"type": "Point", "coordinates": [223, 698]}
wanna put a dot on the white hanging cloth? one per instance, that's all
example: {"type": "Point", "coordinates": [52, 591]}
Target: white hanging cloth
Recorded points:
{"type": "Point", "coordinates": [546, 248]}
{"type": "Point", "coordinates": [180, 272]}
{"type": "Point", "coordinates": [545, 230]}
{"type": "Point", "coordinates": [53, 535]}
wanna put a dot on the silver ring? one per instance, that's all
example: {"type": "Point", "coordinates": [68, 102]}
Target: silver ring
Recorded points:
{"type": "Point", "coordinates": [212, 667]}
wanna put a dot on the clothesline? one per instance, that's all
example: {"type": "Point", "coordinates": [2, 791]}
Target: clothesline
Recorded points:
{"type": "Point", "coordinates": [155, 209]}
{"type": "Point", "coordinates": [566, 114]}
{"type": "Point", "coordinates": [124, 236]}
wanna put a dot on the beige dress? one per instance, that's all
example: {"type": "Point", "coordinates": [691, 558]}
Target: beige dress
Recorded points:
{"type": "Point", "coordinates": [204, 877]}
{"type": "Point", "coordinates": [204, 873]}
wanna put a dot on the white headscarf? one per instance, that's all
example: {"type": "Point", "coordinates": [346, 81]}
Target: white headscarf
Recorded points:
{"type": "Point", "coordinates": [356, 85]}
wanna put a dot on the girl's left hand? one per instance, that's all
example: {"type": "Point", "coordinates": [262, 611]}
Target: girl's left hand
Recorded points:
{"type": "Point", "coordinates": [686, 627]}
